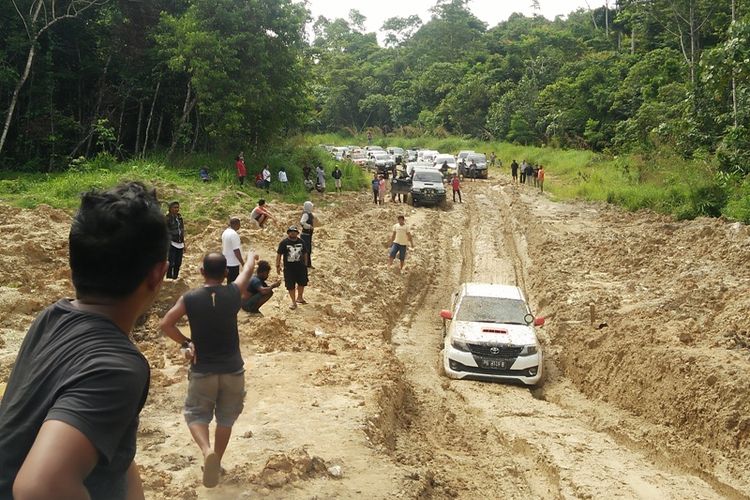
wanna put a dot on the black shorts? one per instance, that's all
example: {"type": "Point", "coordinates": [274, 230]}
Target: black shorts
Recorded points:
{"type": "Point", "coordinates": [295, 274]}
{"type": "Point", "coordinates": [232, 273]}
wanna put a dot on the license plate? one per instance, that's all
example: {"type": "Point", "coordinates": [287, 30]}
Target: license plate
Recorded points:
{"type": "Point", "coordinates": [496, 364]}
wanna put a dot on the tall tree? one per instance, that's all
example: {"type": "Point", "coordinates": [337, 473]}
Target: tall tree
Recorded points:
{"type": "Point", "coordinates": [38, 16]}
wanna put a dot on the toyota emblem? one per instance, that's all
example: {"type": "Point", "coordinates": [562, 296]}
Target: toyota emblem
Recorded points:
{"type": "Point", "coordinates": [495, 350]}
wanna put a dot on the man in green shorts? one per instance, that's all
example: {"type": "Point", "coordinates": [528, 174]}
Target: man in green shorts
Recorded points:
{"type": "Point", "coordinates": [216, 384]}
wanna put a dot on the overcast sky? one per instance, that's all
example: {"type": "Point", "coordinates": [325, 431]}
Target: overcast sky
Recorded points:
{"type": "Point", "coordinates": [489, 11]}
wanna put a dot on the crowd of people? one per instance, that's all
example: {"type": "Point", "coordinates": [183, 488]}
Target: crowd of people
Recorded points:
{"type": "Point", "coordinates": [69, 414]}
{"type": "Point", "coordinates": [533, 174]}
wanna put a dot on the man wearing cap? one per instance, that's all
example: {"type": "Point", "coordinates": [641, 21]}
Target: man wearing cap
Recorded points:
{"type": "Point", "coordinates": [294, 251]}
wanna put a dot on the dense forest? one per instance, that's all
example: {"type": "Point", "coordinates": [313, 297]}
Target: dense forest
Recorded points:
{"type": "Point", "coordinates": [129, 77]}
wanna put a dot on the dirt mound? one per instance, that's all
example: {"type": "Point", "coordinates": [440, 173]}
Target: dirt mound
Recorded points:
{"type": "Point", "coordinates": [650, 314]}
{"type": "Point", "coordinates": [284, 468]}
{"type": "Point", "coordinates": [646, 317]}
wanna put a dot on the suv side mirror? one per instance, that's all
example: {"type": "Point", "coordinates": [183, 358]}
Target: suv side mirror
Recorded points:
{"type": "Point", "coordinates": [446, 314]}
{"type": "Point", "coordinates": [539, 321]}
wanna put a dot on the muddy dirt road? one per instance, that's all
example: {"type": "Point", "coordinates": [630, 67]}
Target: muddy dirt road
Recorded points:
{"type": "Point", "coordinates": [647, 356]}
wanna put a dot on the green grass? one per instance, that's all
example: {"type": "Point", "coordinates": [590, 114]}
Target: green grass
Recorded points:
{"type": "Point", "coordinates": [178, 180]}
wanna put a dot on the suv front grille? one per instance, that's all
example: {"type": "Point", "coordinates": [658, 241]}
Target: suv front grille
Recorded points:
{"type": "Point", "coordinates": [500, 351]}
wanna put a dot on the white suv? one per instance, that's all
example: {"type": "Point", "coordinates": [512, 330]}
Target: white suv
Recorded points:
{"type": "Point", "coordinates": [491, 335]}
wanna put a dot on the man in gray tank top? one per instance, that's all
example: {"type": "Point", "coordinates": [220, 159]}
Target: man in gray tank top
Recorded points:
{"type": "Point", "coordinates": [216, 386]}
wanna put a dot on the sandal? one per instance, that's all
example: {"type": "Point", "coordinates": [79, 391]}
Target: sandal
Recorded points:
{"type": "Point", "coordinates": [293, 306]}
{"type": "Point", "coordinates": [301, 301]}
{"type": "Point", "coordinates": [211, 470]}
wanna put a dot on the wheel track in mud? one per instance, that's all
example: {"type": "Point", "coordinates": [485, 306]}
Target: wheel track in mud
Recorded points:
{"type": "Point", "coordinates": [468, 438]}
{"type": "Point", "coordinates": [460, 437]}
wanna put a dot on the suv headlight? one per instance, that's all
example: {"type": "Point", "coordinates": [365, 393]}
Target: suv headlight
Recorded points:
{"type": "Point", "coordinates": [416, 190]}
{"type": "Point", "coordinates": [459, 345]}
{"type": "Point", "coordinates": [529, 350]}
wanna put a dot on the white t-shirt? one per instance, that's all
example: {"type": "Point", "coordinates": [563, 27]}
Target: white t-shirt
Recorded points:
{"type": "Point", "coordinates": [401, 237]}
{"type": "Point", "coordinates": [266, 175]}
{"type": "Point", "coordinates": [282, 176]}
{"type": "Point", "coordinates": [230, 241]}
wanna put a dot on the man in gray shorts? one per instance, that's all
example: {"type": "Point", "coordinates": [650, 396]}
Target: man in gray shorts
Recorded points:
{"type": "Point", "coordinates": [216, 384]}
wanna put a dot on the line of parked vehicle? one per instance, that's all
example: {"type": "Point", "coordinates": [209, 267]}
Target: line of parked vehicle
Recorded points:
{"type": "Point", "coordinates": [420, 174]}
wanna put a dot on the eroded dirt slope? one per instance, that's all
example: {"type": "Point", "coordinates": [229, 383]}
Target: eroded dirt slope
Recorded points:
{"type": "Point", "coordinates": [647, 355]}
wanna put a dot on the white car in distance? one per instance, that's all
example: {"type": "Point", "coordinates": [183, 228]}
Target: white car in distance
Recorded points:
{"type": "Point", "coordinates": [491, 335]}
{"type": "Point", "coordinates": [450, 160]}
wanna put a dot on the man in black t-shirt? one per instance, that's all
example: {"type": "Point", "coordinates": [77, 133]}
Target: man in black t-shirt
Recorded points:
{"type": "Point", "coordinates": [69, 416]}
{"type": "Point", "coordinates": [294, 251]}
{"type": "Point", "coordinates": [216, 384]}
{"type": "Point", "coordinates": [176, 228]}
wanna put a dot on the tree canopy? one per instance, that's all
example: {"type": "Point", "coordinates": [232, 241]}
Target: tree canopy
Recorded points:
{"type": "Point", "coordinates": [205, 75]}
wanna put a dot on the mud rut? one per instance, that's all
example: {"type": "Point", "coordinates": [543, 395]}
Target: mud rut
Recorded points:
{"type": "Point", "coordinates": [474, 439]}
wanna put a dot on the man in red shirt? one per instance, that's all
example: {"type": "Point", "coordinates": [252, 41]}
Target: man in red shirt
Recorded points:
{"type": "Point", "coordinates": [456, 184]}
{"type": "Point", "coordinates": [241, 170]}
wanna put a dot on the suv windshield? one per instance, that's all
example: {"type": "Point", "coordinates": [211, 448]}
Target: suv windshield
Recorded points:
{"type": "Point", "coordinates": [426, 176]}
{"type": "Point", "coordinates": [492, 310]}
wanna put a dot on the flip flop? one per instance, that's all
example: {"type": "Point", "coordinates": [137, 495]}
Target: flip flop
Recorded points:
{"type": "Point", "coordinates": [293, 306]}
{"type": "Point", "coordinates": [301, 301]}
{"type": "Point", "coordinates": [211, 470]}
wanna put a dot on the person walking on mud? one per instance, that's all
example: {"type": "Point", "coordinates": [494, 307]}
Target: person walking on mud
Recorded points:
{"type": "Point", "coordinates": [375, 188]}
{"type": "Point", "coordinates": [216, 381]}
{"type": "Point", "coordinates": [307, 221]}
{"type": "Point", "coordinates": [456, 185]}
{"type": "Point", "coordinates": [381, 189]}
{"type": "Point", "coordinates": [514, 171]}
{"type": "Point", "coordinates": [400, 237]}
{"type": "Point", "coordinates": [69, 415]}
{"type": "Point", "coordinates": [176, 229]}
{"type": "Point", "coordinates": [294, 252]}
